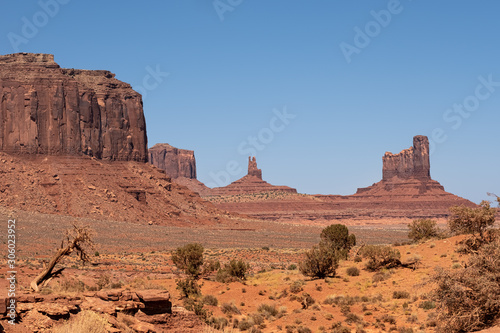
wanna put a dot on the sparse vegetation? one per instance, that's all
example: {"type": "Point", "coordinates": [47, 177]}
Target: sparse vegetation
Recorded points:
{"type": "Point", "coordinates": [474, 221]}
{"type": "Point", "coordinates": [380, 256]}
{"type": "Point", "coordinates": [352, 271]}
{"type": "Point", "coordinates": [422, 229]}
{"type": "Point", "coordinates": [85, 321]}
{"type": "Point", "coordinates": [469, 298]}
{"type": "Point", "coordinates": [320, 262]}
{"type": "Point", "coordinates": [235, 270]}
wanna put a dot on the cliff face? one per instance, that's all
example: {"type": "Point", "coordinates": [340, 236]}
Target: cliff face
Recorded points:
{"type": "Point", "coordinates": [45, 109]}
{"type": "Point", "coordinates": [410, 163]}
{"type": "Point", "coordinates": [175, 162]}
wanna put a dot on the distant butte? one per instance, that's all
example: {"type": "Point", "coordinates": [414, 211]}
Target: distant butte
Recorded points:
{"type": "Point", "coordinates": [179, 164]}
{"type": "Point", "coordinates": [406, 191]}
{"type": "Point", "coordinates": [251, 183]}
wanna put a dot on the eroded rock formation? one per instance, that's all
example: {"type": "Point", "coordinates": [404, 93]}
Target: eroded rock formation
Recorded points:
{"type": "Point", "coordinates": [410, 163]}
{"type": "Point", "coordinates": [175, 162]}
{"type": "Point", "coordinates": [49, 110]}
{"type": "Point", "coordinates": [252, 168]}
{"type": "Point", "coordinates": [251, 183]}
{"type": "Point", "coordinates": [405, 192]}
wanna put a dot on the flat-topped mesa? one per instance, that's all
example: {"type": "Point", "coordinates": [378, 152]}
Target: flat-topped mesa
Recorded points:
{"type": "Point", "coordinates": [175, 162]}
{"type": "Point", "coordinates": [410, 163]}
{"type": "Point", "coordinates": [45, 109]}
{"type": "Point", "coordinates": [252, 168]}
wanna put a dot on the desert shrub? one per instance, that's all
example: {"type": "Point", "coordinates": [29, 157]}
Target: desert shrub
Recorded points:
{"type": "Point", "coordinates": [380, 256]}
{"type": "Point", "coordinates": [469, 298]}
{"type": "Point", "coordinates": [85, 321]}
{"type": "Point", "coordinates": [475, 221]}
{"type": "Point", "coordinates": [197, 307]}
{"type": "Point", "coordinates": [296, 286]}
{"type": "Point", "coordinates": [244, 325]}
{"type": "Point", "coordinates": [306, 300]}
{"type": "Point", "coordinates": [422, 229]}
{"type": "Point", "coordinates": [302, 329]}
{"type": "Point", "coordinates": [352, 271]}
{"type": "Point", "coordinates": [292, 267]}
{"type": "Point", "coordinates": [320, 262]}
{"type": "Point", "coordinates": [235, 270]}
{"type": "Point", "coordinates": [257, 318]}
{"type": "Point", "coordinates": [188, 287]}
{"type": "Point", "coordinates": [339, 328]}
{"type": "Point", "coordinates": [189, 258]}
{"type": "Point", "coordinates": [268, 310]}
{"type": "Point", "coordinates": [400, 294]}
{"type": "Point", "coordinates": [210, 300]}
{"type": "Point", "coordinates": [427, 305]}
{"type": "Point", "coordinates": [219, 323]}
{"type": "Point", "coordinates": [229, 308]}
{"type": "Point", "coordinates": [337, 238]}
{"type": "Point", "coordinates": [72, 285]}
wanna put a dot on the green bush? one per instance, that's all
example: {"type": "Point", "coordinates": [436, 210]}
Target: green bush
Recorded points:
{"type": "Point", "coordinates": [188, 287]}
{"type": "Point", "coordinates": [336, 237]}
{"type": "Point", "coordinates": [189, 258]}
{"type": "Point", "coordinates": [320, 262]}
{"type": "Point", "coordinates": [422, 229]}
{"type": "Point", "coordinates": [380, 256]}
{"type": "Point", "coordinates": [235, 270]}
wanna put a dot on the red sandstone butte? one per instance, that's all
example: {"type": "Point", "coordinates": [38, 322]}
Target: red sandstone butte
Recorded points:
{"type": "Point", "coordinates": [179, 164]}
{"type": "Point", "coordinates": [251, 183]}
{"type": "Point", "coordinates": [175, 162]}
{"type": "Point", "coordinates": [46, 109]}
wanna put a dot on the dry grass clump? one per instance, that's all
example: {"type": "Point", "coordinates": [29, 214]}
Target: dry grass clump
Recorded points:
{"type": "Point", "coordinates": [84, 322]}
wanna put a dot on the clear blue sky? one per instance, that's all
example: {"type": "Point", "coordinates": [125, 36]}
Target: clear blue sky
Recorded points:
{"type": "Point", "coordinates": [225, 78]}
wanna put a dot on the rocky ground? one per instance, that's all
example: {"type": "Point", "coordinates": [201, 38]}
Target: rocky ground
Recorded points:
{"type": "Point", "coordinates": [134, 258]}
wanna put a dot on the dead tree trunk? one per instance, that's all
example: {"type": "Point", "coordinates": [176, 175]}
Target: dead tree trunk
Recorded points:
{"type": "Point", "coordinates": [75, 240]}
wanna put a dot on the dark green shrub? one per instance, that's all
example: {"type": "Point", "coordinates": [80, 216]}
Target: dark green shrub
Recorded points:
{"type": "Point", "coordinates": [235, 270]}
{"type": "Point", "coordinates": [422, 229]}
{"type": "Point", "coordinates": [320, 262]}
{"type": "Point", "coordinates": [189, 258]}
{"type": "Point", "coordinates": [292, 267]}
{"type": "Point", "coordinates": [337, 238]}
{"type": "Point", "coordinates": [380, 256]}
{"type": "Point", "coordinates": [352, 271]}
